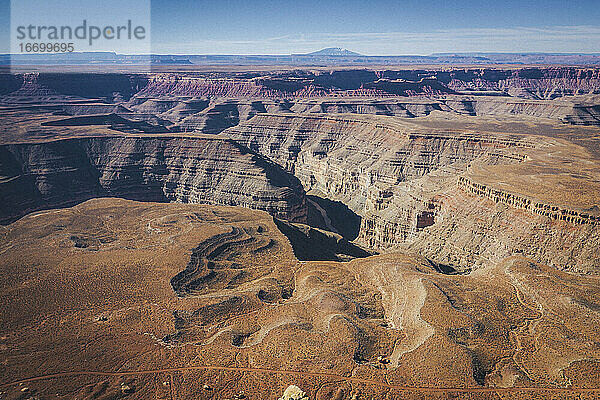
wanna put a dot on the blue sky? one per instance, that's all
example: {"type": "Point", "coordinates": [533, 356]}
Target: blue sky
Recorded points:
{"type": "Point", "coordinates": [374, 28]}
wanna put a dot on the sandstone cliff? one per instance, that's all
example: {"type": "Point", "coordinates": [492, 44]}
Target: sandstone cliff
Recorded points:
{"type": "Point", "coordinates": [188, 170]}
{"type": "Point", "coordinates": [541, 83]}
{"type": "Point", "coordinates": [213, 115]}
{"type": "Point", "coordinates": [411, 190]}
{"type": "Point", "coordinates": [366, 162]}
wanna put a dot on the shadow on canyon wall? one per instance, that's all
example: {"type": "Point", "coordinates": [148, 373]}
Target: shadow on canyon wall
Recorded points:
{"type": "Point", "coordinates": [342, 219]}
{"type": "Point", "coordinates": [313, 244]}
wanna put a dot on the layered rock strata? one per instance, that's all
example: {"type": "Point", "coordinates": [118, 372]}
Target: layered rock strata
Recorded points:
{"type": "Point", "coordinates": [524, 203]}
{"type": "Point", "coordinates": [182, 169]}
{"type": "Point", "coordinates": [540, 83]}
{"type": "Point", "coordinates": [213, 115]}
{"type": "Point", "coordinates": [408, 185]}
{"type": "Point", "coordinates": [365, 163]}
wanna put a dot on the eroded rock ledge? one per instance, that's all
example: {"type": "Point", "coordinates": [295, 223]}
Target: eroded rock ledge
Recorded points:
{"type": "Point", "coordinates": [368, 162]}
{"type": "Point", "coordinates": [525, 203]}
{"type": "Point", "coordinates": [152, 168]}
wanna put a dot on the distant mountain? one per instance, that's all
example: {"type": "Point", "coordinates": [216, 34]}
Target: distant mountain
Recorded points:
{"type": "Point", "coordinates": [334, 51]}
{"type": "Point", "coordinates": [330, 56]}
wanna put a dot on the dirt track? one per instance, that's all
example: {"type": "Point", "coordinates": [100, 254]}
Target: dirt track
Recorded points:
{"type": "Point", "coordinates": [423, 389]}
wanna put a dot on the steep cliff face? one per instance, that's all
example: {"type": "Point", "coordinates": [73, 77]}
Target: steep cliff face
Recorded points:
{"type": "Point", "coordinates": [188, 170]}
{"type": "Point", "coordinates": [551, 211]}
{"type": "Point", "coordinates": [50, 88]}
{"type": "Point", "coordinates": [230, 87]}
{"type": "Point", "coordinates": [412, 188]}
{"type": "Point", "coordinates": [542, 83]}
{"type": "Point", "coordinates": [366, 163]}
{"type": "Point", "coordinates": [564, 110]}
{"type": "Point", "coordinates": [472, 231]}
{"type": "Point", "coordinates": [545, 208]}
{"type": "Point", "coordinates": [213, 115]}
{"type": "Point", "coordinates": [328, 133]}
{"type": "Point", "coordinates": [577, 111]}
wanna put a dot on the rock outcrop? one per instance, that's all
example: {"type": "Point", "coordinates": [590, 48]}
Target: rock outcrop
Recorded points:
{"type": "Point", "coordinates": [364, 162]}
{"type": "Point", "coordinates": [293, 392]}
{"type": "Point", "coordinates": [524, 203]}
{"type": "Point", "coordinates": [182, 169]}
{"type": "Point", "coordinates": [410, 186]}
{"type": "Point", "coordinates": [472, 232]}
{"type": "Point", "coordinates": [402, 164]}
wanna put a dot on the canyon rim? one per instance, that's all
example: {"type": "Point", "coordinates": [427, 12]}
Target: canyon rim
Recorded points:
{"type": "Point", "coordinates": [303, 223]}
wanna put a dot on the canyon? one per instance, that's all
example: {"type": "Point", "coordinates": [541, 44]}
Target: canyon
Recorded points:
{"type": "Point", "coordinates": [190, 170]}
{"type": "Point", "coordinates": [409, 227]}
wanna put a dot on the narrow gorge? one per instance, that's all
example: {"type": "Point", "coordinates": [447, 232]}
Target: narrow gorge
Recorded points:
{"type": "Point", "coordinates": [430, 171]}
{"type": "Point", "coordinates": [227, 232]}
